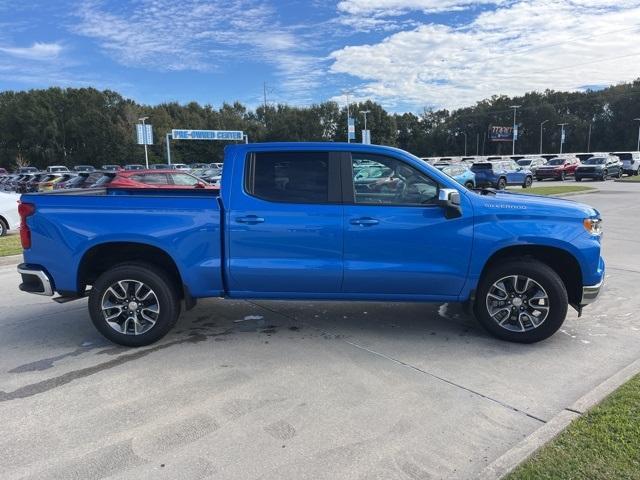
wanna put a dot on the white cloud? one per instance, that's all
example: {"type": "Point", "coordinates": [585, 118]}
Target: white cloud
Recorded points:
{"type": "Point", "coordinates": [523, 46]}
{"type": "Point", "coordinates": [387, 8]}
{"type": "Point", "coordinates": [37, 51]}
{"type": "Point", "coordinates": [201, 35]}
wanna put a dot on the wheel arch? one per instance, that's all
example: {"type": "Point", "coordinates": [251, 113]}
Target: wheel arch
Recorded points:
{"type": "Point", "coordinates": [559, 260]}
{"type": "Point", "coordinates": [100, 258]}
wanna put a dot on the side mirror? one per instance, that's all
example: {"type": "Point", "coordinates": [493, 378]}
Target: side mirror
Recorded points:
{"type": "Point", "coordinates": [449, 199]}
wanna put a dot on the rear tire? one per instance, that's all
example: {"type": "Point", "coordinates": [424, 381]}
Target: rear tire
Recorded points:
{"type": "Point", "coordinates": [562, 177]}
{"type": "Point", "coordinates": [4, 228]}
{"type": "Point", "coordinates": [130, 305]}
{"type": "Point", "coordinates": [578, 179]}
{"type": "Point", "coordinates": [522, 327]}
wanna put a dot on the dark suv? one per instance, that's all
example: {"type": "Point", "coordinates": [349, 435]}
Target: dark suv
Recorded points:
{"type": "Point", "coordinates": [599, 168]}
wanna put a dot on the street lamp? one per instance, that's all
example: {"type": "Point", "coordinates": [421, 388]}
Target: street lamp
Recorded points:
{"type": "Point", "coordinates": [365, 112]}
{"type": "Point", "coordinates": [146, 153]}
{"type": "Point", "coordinates": [465, 142]}
{"type": "Point", "coordinates": [513, 136]}
{"type": "Point", "coordinates": [638, 147]}
{"type": "Point", "coordinates": [561, 125]}
{"type": "Point", "coordinates": [541, 124]}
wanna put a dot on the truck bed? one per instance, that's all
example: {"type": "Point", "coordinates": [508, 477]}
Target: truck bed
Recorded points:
{"type": "Point", "coordinates": [68, 225]}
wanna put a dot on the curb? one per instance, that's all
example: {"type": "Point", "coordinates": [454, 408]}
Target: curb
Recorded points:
{"type": "Point", "coordinates": [571, 194]}
{"type": "Point", "coordinates": [513, 457]}
{"type": "Point", "coordinates": [10, 260]}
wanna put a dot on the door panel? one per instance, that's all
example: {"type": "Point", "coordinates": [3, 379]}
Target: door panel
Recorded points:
{"type": "Point", "coordinates": [394, 244]}
{"type": "Point", "coordinates": [291, 240]}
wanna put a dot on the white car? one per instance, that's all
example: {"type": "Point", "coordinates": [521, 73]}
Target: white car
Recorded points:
{"type": "Point", "coordinates": [9, 218]}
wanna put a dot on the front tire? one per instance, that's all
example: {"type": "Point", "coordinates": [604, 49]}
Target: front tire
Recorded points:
{"type": "Point", "coordinates": [3, 228]}
{"type": "Point", "coordinates": [527, 182]}
{"type": "Point", "coordinates": [469, 185]}
{"type": "Point", "coordinates": [502, 183]}
{"type": "Point", "coordinates": [521, 301]}
{"type": "Point", "coordinates": [134, 305]}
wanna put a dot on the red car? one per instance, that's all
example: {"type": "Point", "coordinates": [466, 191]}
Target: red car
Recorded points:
{"type": "Point", "coordinates": [558, 168]}
{"type": "Point", "coordinates": [157, 179]}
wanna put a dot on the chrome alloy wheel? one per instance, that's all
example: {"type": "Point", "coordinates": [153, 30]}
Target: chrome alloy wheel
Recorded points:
{"type": "Point", "coordinates": [517, 303]}
{"type": "Point", "coordinates": [130, 307]}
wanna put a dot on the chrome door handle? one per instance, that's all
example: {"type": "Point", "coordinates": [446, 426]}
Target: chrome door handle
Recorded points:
{"type": "Point", "coordinates": [364, 222]}
{"type": "Point", "coordinates": [250, 219]}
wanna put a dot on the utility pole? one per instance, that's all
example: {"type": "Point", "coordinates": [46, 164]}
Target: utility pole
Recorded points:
{"type": "Point", "coordinates": [465, 143]}
{"type": "Point", "coordinates": [477, 143]}
{"type": "Point", "coordinates": [561, 125]}
{"type": "Point", "coordinates": [264, 93]}
{"type": "Point", "coordinates": [515, 129]}
{"type": "Point", "coordinates": [146, 153]}
{"type": "Point", "coordinates": [348, 116]}
{"type": "Point", "coordinates": [638, 147]}
{"type": "Point", "coordinates": [589, 137]}
{"type": "Point", "coordinates": [541, 125]}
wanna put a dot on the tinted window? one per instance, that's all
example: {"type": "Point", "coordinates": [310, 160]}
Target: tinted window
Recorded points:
{"type": "Point", "coordinates": [556, 161]}
{"type": "Point", "coordinates": [399, 184]}
{"type": "Point", "coordinates": [476, 167]}
{"type": "Point", "coordinates": [293, 177]}
{"type": "Point", "coordinates": [594, 161]}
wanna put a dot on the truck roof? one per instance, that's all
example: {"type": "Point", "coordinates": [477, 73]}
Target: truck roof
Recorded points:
{"type": "Point", "coordinates": [323, 146]}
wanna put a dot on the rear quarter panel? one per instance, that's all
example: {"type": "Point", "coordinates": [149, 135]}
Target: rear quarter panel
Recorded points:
{"type": "Point", "coordinates": [187, 228]}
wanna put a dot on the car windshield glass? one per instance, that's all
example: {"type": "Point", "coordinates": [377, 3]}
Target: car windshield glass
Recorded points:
{"type": "Point", "coordinates": [623, 156]}
{"type": "Point", "coordinates": [556, 161]}
{"type": "Point", "coordinates": [594, 161]}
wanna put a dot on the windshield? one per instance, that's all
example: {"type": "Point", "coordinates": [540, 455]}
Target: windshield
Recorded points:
{"type": "Point", "coordinates": [556, 161]}
{"type": "Point", "coordinates": [594, 161]}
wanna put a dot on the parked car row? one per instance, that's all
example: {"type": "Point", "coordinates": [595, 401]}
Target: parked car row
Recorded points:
{"type": "Point", "coordinates": [500, 172]}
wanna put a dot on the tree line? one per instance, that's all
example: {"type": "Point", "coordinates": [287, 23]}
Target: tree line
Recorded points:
{"type": "Point", "coordinates": [76, 126]}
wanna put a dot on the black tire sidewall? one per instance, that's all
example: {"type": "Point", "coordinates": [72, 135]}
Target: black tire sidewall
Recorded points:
{"type": "Point", "coordinates": [502, 184]}
{"type": "Point", "coordinates": [161, 285]}
{"type": "Point", "coordinates": [542, 274]}
{"type": "Point", "coordinates": [3, 228]}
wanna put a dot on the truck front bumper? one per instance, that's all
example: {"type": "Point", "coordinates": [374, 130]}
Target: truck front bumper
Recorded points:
{"type": "Point", "coordinates": [591, 292]}
{"type": "Point", "coordinates": [35, 280]}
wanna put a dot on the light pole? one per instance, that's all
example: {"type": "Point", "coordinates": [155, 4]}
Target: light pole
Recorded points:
{"type": "Point", "coordinates": [589, 137]}
{"type": "Point", "coordinates": [146, 153]}
{"type": "Point", "coordinates": [364, 113]}
{"type": "Point", "coordinates": [638, 147]}
{"type": "Point", "coordinates": [465, 143]}
{"type": "Point", "coordinates": [561, 125]}
{"type": "Point", "coordinates": [514, 132]}
{"type": "Point", "coordinates": [541, 125]}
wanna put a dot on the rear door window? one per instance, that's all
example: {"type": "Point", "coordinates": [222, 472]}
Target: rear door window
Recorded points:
{"type": "Point", "coordinates": [289, 177]}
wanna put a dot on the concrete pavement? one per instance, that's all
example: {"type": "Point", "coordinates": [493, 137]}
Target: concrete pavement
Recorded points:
{"type": "Point", "coordinates": [301, 390]}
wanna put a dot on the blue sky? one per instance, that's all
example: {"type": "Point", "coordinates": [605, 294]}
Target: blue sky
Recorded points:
{"type": "Point", "coordinates": [405, 54]}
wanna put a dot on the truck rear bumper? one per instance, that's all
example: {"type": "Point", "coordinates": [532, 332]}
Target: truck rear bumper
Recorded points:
{"type": "Point", "coordinates": [35, 280]}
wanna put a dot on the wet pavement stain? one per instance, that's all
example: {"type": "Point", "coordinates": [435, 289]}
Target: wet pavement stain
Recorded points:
{"type": "Point", "coordinates": [51, 383]}
{"type": "Point", "coordinates": [46, 363]}
{"type": "Point", "coordinates": [197, 334]}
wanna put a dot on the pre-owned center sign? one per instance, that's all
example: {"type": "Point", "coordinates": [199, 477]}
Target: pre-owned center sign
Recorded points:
{"type": "Point", "coordinates": [207, 134]}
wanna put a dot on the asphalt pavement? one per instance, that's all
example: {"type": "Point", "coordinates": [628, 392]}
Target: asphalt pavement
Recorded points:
{"type": "Point", "coordinates": [295, 390]}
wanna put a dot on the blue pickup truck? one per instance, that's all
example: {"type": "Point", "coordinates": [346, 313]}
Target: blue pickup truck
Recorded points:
{"type": "Point", "coordinates": [296, 221]}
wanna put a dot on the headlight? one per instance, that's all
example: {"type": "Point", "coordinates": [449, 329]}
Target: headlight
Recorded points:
{"type": "Point", "coordinates": [593, 226]}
